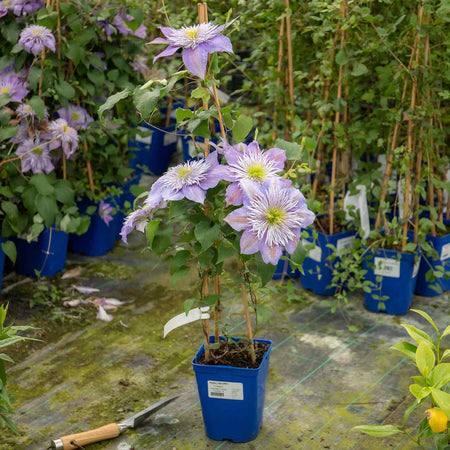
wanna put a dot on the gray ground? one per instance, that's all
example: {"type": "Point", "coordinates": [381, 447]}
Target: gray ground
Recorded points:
{"type": "Point", "coordinates": [323, 378]}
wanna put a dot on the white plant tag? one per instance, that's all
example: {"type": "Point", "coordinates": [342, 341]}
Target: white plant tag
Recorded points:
{"type": "Point", "coordinates": [359, 201]}
{"type": "Point", "coordinates": [146, 139]}
{"type": "Point", "coordinates": [225, 390]}
{"type": "Point", "coordinates": [387, 267]}
{"type": "Point", "coordinates": [170, 138]}
{"type": "Point", "coordinates": [416, 268]}
{"type": "Point", "coordinates": [315, 253]}
{"type": "Point", "coordinates": [345, 244]}
{"type": "Point", "coordinates": [183, 319]}
{"type": "Point", "coordinates": [445, 252]}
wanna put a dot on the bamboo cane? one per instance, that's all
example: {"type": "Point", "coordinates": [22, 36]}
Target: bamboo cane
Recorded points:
{"type": "Point", "coordinates": [248, 322]}
{"type": "Point", "coordinates": [290, 64]}
{"type": "Point", "coordinates": [279, 66]}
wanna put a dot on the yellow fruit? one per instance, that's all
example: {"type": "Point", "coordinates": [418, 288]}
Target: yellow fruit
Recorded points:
{"type": "Point", "coordinates": [436, 419]}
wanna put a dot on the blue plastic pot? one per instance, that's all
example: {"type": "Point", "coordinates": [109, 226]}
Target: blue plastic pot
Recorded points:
{"type": "Point", "coordinates": [398, 273]}
{"type": "Point", "coordinates": [236, 411]}
{"type": "Point", "coordinates": [100, 238]}
{"type": "Point", "coordinates": [2, 261]}
{"type": "Point", "coordinates": [425, 287]}
{"type": "Point", "coordinates": [155, 151]}
{"type": "Point", "coordinates": [317, 266]}
{"type": "Point", "coordinates": [46, 255]}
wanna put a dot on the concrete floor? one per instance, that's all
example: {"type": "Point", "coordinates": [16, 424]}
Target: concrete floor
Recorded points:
{"type": "Point", "coordinates": [323, 378]}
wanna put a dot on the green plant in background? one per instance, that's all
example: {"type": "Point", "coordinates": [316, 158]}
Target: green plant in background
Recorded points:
{"type": "Point", "coordinates": [8, 336]}
{"type": "Point", "coordinates": [431, 388]}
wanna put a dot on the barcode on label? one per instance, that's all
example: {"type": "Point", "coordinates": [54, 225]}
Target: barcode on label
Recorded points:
{"type": "Point", "coordinates": [217, 394]}
{"type": "Point", "coordinates": [225, 390]}
{"type": "Point", "coordinates": [445, 252]}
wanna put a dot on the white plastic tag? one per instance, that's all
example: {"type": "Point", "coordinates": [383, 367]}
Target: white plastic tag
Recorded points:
{"type": "Point", "coordinates": [359, 201]}
{"type": "Point", "coordinates": [315, 253]}
{"type": "Point", "coordinates": [345, 244]}
{"type": "Point", "coordinates": [416, 268]}
{"type": "Point", "coordinates": [170, 138]}
{"type": "Point", "coordinates": [445, 252]}
{"type": "Point", "coordinates": [225, 390]}
{"type": "Point", "coordinates": [387, 267]}
{"type": "Point", "coordinates": [183, 319]}
{"type": "Point", "coordinates": [146, 139]}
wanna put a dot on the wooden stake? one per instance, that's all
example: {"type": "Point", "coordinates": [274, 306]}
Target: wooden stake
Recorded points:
{"type": "Point", "coordinates": [216, 285]}
{"type": "Point", "coordinates": [89, 169]}
{"type": "Point", "coordinates": [290, 64]}
{"type": "Point", "coordinates": [279, 66]}
{"type": "Point", "coordinates": [248, 322]}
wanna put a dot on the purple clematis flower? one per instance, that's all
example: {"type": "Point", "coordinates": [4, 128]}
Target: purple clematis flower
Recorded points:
{"type": "Point", "coordinates": [271, 218]}
{"type": "Point", "coordinates": [190, 180]}
{"type": "Point", "coordinates": [197, 43]}
{"type": "Point", "coordinates": [64, 136]}
{"type": "Point", "coordinates": [105, 212]}
{"type": "Point", "coordinates": [34, 38]}
{"type": "Point", "coordinates": [35, 157]}
{"type": "Point", "coordinates": [5, 6]}
{"type": "Point", "coordinates": [248, 162]}
{"type": "Point", "coordinates": [140, 64]}
{"type": "Point", "coordinates": [24, 7]}
{"type": "Point", "coordinates": [12, 85]}
{"type": "Point", "coordinates": [137, 220]}
{"type": "Point", "coordinates": [76, 116]}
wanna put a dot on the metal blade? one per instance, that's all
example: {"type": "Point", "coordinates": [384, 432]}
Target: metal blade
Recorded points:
{"type": "Point", "coordinates": [137, 419]}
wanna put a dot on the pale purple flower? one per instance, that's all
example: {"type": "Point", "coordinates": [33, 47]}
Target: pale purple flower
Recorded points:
{"type": "Point", "coordinates": [105, 212]}
{"type": "Point", "coordinates": [35, 37]}
{"type": "Point", "coordinates": [140, 64]}
{"type": "Point", "coordinates": [120, 22]}
{"type": "Point", "coordinates": [137, 220]}
{"type": "Point", "coordinates": [23, 111]}
{"type": "Point", "coordinates": [271, 218]}
{"type": "Point", "coordinates": [24, 7]}
{"type": "Point", "coordinates": [13, 86]}
{"type": "Point", "coordinates": [76, 116]}
{"type": "Point", "coordinates": [64, 136]}
{"type": "Point", "coordinates": [197, 43]}
{"type": "Point", "coordinates": [103, 315]}
{"type": "Point", "coordinates": [190, 180]}
{"type": "Point", "coordinates": [35, 157]}
{"type": "Point", "coordinates": [5, 6]}
{"type": "Point", "coordinates": [248, 162]}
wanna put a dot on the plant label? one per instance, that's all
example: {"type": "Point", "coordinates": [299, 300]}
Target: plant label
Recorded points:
{"type": "Point", "coordinates": [170, 138]}
{"type": "Point", "coordinates": [144, 140]}
{"type": "Point", "coordinates": [183, 319]}
{"type": "Point", "coordinates": [315, 253]}
{"type": "Point", "coordinates": [345, 244]}
{"type": "Point", "coordinates": [225, 390]}
{"type": "Point", "coordinates": [358, 202]}
{"type": "Point", "coordinates": [445, 252]}
{"type": "Point", "coordinates": [416, 268]}
{"type": "Point", "coordinates": [387, 267]}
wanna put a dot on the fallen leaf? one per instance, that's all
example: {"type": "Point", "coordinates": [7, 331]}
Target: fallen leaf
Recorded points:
{"type": "Point", "coordinates": [72, 273]}
{"type": "Point", "coordinates": [103, 315]}
{"type": "Point", "coordinates": [107, 303]}
{"type": "Point", "coordinates": [72, 303]}
{"type": "Point", "coordinates": [85, 289]}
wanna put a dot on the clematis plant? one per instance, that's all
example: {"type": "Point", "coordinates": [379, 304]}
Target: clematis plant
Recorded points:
{"type": "Point", "coordinates": [234, 203]}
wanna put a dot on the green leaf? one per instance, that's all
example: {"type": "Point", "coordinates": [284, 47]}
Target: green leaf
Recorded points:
{"type": "Point", "coordinates": [446, 354]}
{"type": "Point", "coordinates": [189, 304]}
{"type": "Point", "coordinates": [38, 106]}
{"type": "Point", "coordinates": [64, 192]}
{"type": "Point", "coordinates": [242, 128]}
{"type": "Point", "coordinates": [406, 348]}
{"type": "Point", "coordinates": [418, 335]}
{"type": "Point", "coordinates": [9, 249]}
{"type": "Point", "coordinates": [145, 101]}
{"type": "Point", "coordinates": [180, 273]}
{"type": "Point", "coordinates": [97, 77]}
{"type": "Point", "coordinates": [210, 300]}
{"type": "Point", "coordinates": [206, 234]}
{"type": "Point", "coordinates": [419, 391]}
{"type": "Point", "coordinates": [359, 69]}
{"type": "Point", "coordinates": [446, 331]}
{"type": "Point", "coordinates": [410, 247]}
{"type": "Point", "coordinates": [440, 375]}
{"type": "Point", "coordinates": [427, 317]}
{"type": "Point", "coordinates": [224, 252]}
{"type": "Point", "coordinates": [265, 272]}
{"type": "Point", "coordinates": [5, 357]}
{"type": "Point", "coordinates": [75, 52]}
{"type": "Point", "coordinates": [112, 100]}
{"type": "Point", "coordinates": [65, 90]}
{"type": "Point", "coordinates": [202, 93]}
{"type": "Point", "coordinates": [410, 409]}
{"type": "Point", "coordinates": [181, 258]}
{"type": "Point", "coordinates": [41, 182]}
{"type": "Point", "coordinates": [441, 398]}
{"type": "Point", "coordinates": [183, 114]}
{"type": "Point", "coordinates": [341, 58]}
{"type": "Point", "coordinates": [292, 149]}
{"type": "Point", "coordinates": [425, 358]}
{"type": "Point", "coordinates": [378, 430]}
{"type": "Point", "coordinates": [150, 231]}
{"type": "Point", "coordinates": [47, 208]}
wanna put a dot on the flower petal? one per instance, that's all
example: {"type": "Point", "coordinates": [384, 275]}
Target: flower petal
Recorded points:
{"type": "Point", "coordinates": [249, 243]}
{"type": "Point", "coordinates": [272, 254]}
{"type": "Point", "coordinates": [219, 44]}
{"type": "Point", "coordinates": [194, 193]}
{"type": "Point", "coordinates": [103, 315]}
{"type": "Point", "coordinates": [238, 219]}
{"type": "Point", "coordinates": [196, 60]}
{"type": "Point", "coordinates": [291, 245]}
{"type": "Point", "coordinates": [159, 40]}
{"type": "Point", "coordinates": [167, 31]}
{"type": "Point", "coordinates": [170, 50]}
{"type": "Point", "coordinates": [234, 195]}
{"type": "Point", "coordinates": [278, 156]}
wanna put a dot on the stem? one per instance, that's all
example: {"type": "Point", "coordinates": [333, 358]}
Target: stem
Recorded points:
{"type": "Point", "coordinates": [216, 285]}
{"type": "Point", "coordinates": [89, 169]}
{"type": "Point", "coordinates": [205, 322]}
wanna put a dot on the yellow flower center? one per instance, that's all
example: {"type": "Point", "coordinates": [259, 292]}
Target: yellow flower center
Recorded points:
{"type": "Point", "coordinates": [184, 172]}
{"type": "Point", "coordinates": [65, 128]}
{"type": "Point", "coordinates": [192, 33]}
{"type": "Point", "coordinates": [256, 172]}
{"type": "Point", "coordinates": [37, 32]}
{"type": "Point", "coordinates": [4, 90]}
{"type": "Point", "coordinates": [275, 216]}
{"type": "Point", "coordinates": [75, 116]}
